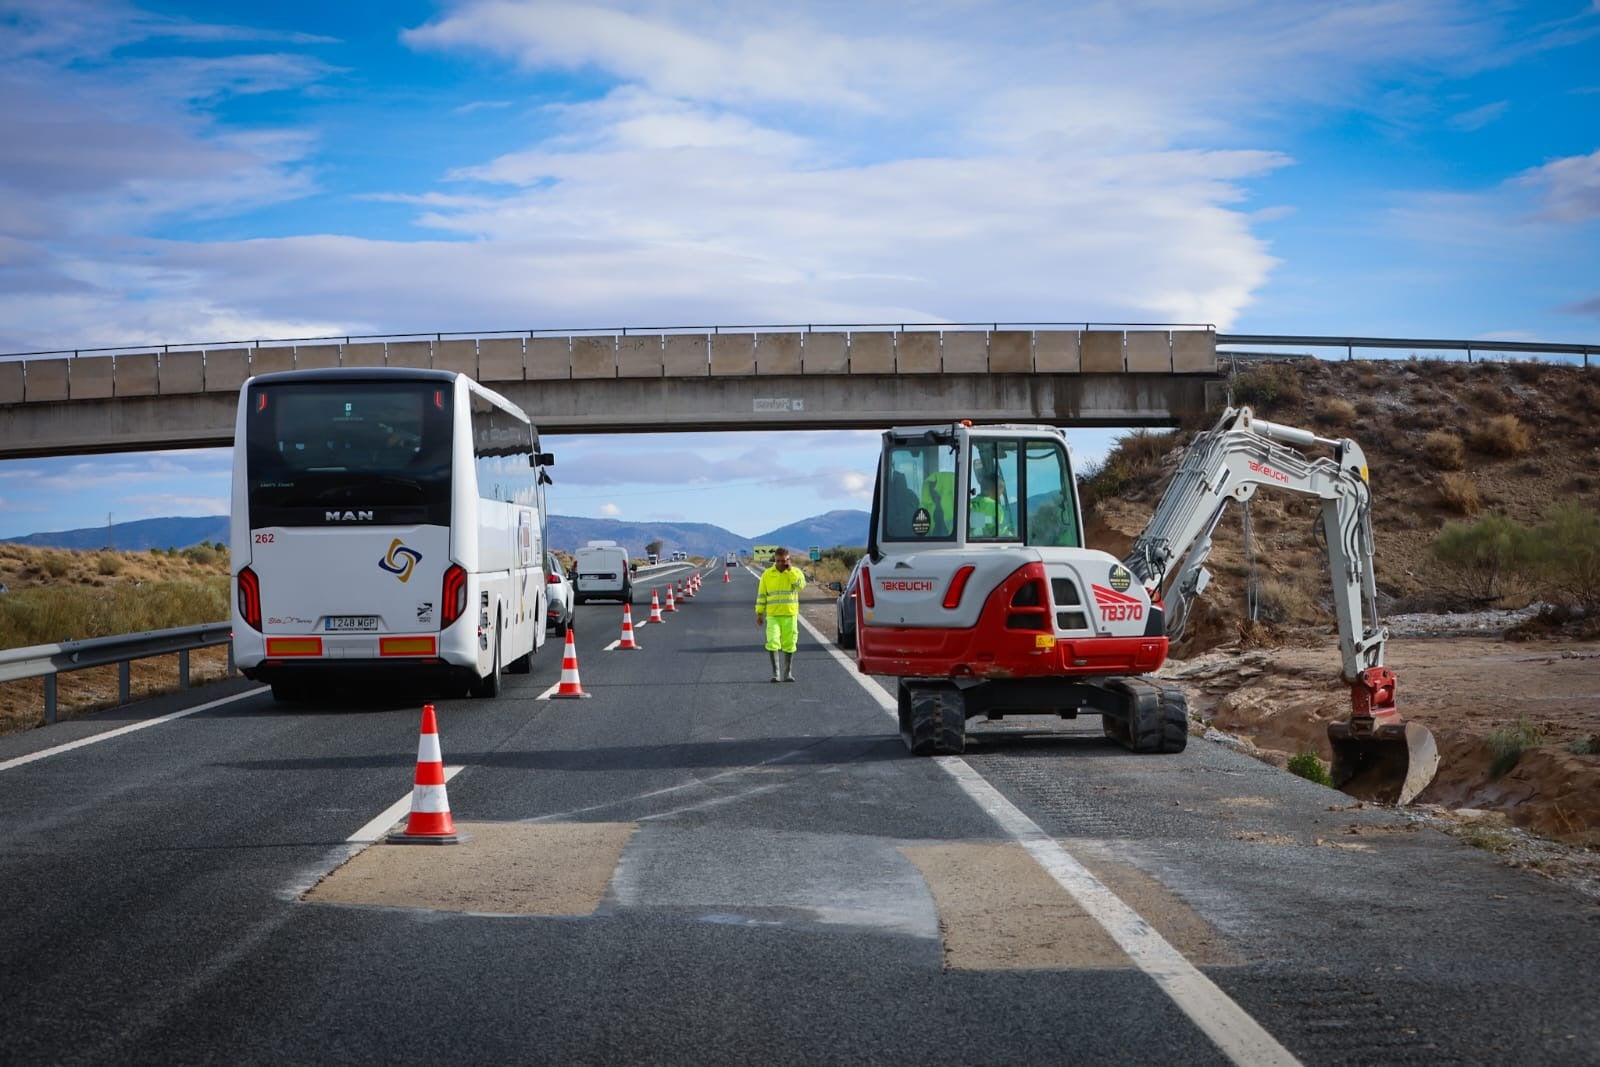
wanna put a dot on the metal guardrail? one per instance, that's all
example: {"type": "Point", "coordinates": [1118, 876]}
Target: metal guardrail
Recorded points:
{"type": "Point", "coordinates": [48, 661]}
{"type": "Point", "coordinates": [586, 331]}
{"type": "Point", "coordinates": [1482, 348]}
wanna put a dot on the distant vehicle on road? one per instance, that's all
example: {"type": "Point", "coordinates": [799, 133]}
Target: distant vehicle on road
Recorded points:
{"type": "Point", "coordinates": [732, 560]}
{"type": "Point", "coordinates": [559, 587]}
{"type": "Point", "coordinates": [601, 572]}
{"type": "Point", "coordinates": [845, 607]}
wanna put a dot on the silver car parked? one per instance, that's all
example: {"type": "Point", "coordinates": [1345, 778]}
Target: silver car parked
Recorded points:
{"type": "Point", "coordinates": [558, 592]}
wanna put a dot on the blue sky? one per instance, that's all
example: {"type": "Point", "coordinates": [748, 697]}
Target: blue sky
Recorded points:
{"type": "Point", "coordinates": [180, 171]}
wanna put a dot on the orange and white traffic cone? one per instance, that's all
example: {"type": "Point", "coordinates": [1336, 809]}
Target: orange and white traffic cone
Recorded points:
{"type": "Point", "coordinates": [655, 607]}
{"type": "Point", "coordinates": [671, 604]}
{"type": "Point", "coordinates": [725, 578]}
{"type": "Point", "coordinates": [430, 822]}
{"type": "Point", "coordinates": [627, 642]}
{"type": "Point", "coordinates": [570, 686]}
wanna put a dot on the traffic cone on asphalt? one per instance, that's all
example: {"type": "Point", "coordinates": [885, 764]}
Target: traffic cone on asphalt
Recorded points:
{"type": "Point", "coordinates": [570, 686]}
{"type": "Point", "coordinates": [655, 607]}
{"type": "Point", "coordinates": [671, 604]}
{"type": "Point", "coordinates": [430, 822]}
{"type": "Point", "coordinates": [627, 642]}
{"type": "Point", "coordinates": [725, 578]}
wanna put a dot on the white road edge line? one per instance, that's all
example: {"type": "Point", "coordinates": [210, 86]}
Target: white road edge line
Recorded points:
{"type": "Point", "coordinates": [1232, 1029]}
{"type": "Point", "coordinates": [119, 731]}
{"type": "Point", "coordinates": [379, 827]}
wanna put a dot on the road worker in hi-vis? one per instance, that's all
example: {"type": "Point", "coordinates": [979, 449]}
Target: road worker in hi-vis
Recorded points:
{"type": "Point", "coordinates": [778, 609]}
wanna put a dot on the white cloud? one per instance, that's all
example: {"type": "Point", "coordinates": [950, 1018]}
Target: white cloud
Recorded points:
{"type": "Point", "coordinates": [1479, 117]}
{"type": "Point", "coordinates": [1568, 189]}
{"type": "Point", "coordinates": [747, 54]}
{"type": "Point", "coordinates": [610, 511]}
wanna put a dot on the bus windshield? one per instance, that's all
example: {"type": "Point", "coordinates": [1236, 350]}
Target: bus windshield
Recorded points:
{"type": "Point", "coordinates": [318, 451]}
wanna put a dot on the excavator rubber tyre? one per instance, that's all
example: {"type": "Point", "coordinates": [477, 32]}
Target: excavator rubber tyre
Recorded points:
{"type": "Point", "coordinates": [1174, 719]}
{"type": "Point", "coordinates": [933, 720]}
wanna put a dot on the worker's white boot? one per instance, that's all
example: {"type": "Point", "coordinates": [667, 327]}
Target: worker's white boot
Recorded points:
{"type": "Point", "coordinates": [788, 666]}
{"type": "Point", "coordinates": [773, 656]}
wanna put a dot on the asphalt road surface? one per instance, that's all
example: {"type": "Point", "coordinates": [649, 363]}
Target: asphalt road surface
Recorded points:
{"type": "Point", "coordinates": [696, 866]}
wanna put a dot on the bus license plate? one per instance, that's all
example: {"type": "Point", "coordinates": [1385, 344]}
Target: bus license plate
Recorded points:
{"type": "Point", "coordinates": [350, 622]}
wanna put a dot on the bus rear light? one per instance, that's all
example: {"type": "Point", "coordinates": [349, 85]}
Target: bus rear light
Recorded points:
{"type": "Point", "coordinates": [864, 583]}
{"type": "Point", "coordinates": [294, 646]}
{"type": "Point", "coordinates": [958, 585]}
{"type": "Point", "coordinates": [455, 595]}
{"type": "Point", "coordinates": [250, 598]}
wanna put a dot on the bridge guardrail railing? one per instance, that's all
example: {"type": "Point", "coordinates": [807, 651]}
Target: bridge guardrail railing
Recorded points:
{"type": "Point", "coordinates": [49, 661]}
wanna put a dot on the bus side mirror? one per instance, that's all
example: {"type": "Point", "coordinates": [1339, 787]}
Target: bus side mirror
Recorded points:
{"type": "Point", "coordinates": [542, 459]}
{"type": "Point", "coordinates": [545, 479]}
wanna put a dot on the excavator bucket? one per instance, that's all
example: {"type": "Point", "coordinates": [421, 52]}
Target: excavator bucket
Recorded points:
{"type": "Point", "coordinates": [1376, 756]}
{"type": "Point", "coordinates": [1390, 766]}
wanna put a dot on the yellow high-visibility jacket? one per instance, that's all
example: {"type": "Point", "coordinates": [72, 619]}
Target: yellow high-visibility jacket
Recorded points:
{"type": "Point", "coordinates": [779, 591]}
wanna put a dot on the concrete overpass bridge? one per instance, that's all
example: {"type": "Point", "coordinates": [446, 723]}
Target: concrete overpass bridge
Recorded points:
{"type": "Point", "coordinates": [152, 398]}
{"type": "Point", "coordinates": [134, 399]}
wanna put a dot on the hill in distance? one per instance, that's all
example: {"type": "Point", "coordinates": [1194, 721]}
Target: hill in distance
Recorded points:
{"type": "Point", "coordinates": [568, 533]}
{"type": "Point", "coordinates": [138, 536]}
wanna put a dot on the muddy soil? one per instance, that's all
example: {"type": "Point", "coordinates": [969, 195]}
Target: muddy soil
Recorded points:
{"type": "Point", "coordinates": [1469, 691]}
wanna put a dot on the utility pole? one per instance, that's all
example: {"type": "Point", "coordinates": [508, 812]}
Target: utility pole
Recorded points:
{"type": "Point", "coordinates": [110, 542]}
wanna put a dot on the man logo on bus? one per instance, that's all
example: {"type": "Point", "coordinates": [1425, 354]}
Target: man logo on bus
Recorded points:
{"type": "Point", "coordinates": [400, 560]}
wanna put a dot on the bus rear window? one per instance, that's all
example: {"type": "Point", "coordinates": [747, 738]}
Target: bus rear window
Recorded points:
{"type": "Point", "coordinates": [318, 451]}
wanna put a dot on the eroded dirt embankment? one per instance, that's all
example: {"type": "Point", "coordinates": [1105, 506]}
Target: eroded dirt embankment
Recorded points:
{"type": "Point", "coordinates": [1464, 689]}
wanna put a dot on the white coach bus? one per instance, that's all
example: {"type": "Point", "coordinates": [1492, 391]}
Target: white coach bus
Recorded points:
{"type": "Point", "coordinates": [388, 524]}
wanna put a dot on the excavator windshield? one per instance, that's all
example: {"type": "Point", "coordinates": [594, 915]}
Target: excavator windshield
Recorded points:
{"type": "Point", "coordinates": [1007, 488]}
{"type": "Point", "coordinates": [1051, 514]}
{"type": "Point", "coordinates": [919, 502]}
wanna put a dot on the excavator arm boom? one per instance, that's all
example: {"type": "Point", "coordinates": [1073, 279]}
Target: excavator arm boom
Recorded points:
{"type": "Point", "coordinates": [1228, 463]}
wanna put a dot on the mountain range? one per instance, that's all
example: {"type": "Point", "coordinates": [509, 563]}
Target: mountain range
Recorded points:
{"type": "Point", "coordinates": [568, 533]}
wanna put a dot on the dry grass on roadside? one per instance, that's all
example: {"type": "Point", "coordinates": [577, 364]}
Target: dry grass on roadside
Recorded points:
{"type": "Point", "coordinates": [55, 595]}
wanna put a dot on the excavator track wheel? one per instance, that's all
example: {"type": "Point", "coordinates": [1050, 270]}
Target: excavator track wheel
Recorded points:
{"type": "Point", "coordinates": [1151, 719]}
{"type": "Point", "coordinates": [933, 721]}
{"type": "Point", "coordinates": [1174, 719]}
{"type": "Point", "coordinates": [1144, 721]}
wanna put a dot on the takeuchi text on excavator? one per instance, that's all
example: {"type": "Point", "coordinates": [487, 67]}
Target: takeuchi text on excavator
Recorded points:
{"type": "Point", "coordinates": [980, 596]}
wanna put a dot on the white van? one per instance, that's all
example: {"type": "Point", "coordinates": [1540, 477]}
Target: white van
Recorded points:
{"type": "Point", "coordinates": [602, 572]}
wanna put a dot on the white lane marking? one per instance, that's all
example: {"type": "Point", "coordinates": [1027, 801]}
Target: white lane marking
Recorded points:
{"type": "Point", "coordinates": [1230, 1027]}
{"type": "Point", "coordinates": [119, 731]}
{"type": "Point", "coordinates": [612, 647]}
{"type": "Point", "coordinates": [546, 694]}
{"type": "Point", "coordinates": [379, 826]}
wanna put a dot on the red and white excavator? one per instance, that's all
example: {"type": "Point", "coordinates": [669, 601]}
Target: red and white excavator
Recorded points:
{"type": "Point", "coordinates": [980, 596]}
